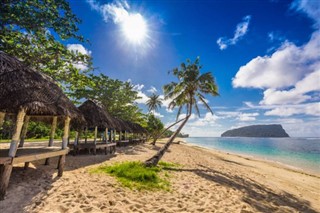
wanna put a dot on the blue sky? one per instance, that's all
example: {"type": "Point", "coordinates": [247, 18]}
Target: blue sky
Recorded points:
{"type": "Point", "coordinates": [264, 55]}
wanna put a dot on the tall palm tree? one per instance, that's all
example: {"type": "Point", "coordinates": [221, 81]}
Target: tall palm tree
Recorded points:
{"type": "Point", "coordinates": [154, 102]}
{"type": "Point", "coordinates": [185, 94]}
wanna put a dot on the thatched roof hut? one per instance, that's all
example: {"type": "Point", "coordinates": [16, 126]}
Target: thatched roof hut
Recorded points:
{"type": "Point", "coordinates": [122, 125]}
{"type": "Point", "coordinates": [136, 128]}
{"type": "Point", "coordinates": [96, 115]}
{"type": "Point", "coordinates": [24, 87]}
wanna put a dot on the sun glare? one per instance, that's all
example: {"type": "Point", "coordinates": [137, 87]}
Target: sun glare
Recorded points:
{"type": "Point", "coordinates": [134, 28]}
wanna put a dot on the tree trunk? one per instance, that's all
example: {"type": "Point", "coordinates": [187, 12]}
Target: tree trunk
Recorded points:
{"type": "Point", "coordinates": [155, 139]}
{"type": "Point", "coordinates": [153, 161]}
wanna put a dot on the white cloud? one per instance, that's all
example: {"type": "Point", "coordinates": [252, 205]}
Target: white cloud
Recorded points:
{"type": "Point", "coordinates": [152, 90]}
{"type": "Point", "coordinates": [143, 98]}
{"type": "Point", "coordinates": [116, 11]}
{"type": "Point", "coordinates": [285, 111]}
{"type": "Point", "coordinates": [247, 116]}
{"type": "Point", "coordinates": [157, 114]}
{"type": "Point", "coordinates": [138, 87]}
{"type": "Point", "coordinates": [310, 7]}
{"type": "Point", "coordinates": [241, 30]}
{"type": "Point", "coordinates": [79, 48]}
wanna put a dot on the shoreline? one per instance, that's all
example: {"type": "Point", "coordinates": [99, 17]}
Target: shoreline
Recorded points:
{"type": "Point", "coordinates": [309, 171]}
{"type": "Point", "coordinates": [208, 180]}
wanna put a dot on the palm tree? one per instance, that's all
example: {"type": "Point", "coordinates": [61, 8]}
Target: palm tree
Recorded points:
{"type": "Point", "coordinates": [185, 94]}
{"type": "Point", "coordinates": [154, 102]}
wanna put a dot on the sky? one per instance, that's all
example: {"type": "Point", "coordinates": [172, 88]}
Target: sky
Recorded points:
{"type": "Point", "coordinates": [264, 55]}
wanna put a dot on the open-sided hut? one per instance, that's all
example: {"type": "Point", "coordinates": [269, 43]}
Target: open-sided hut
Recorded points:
{"type": "Point", "coordinates": [26, 92]}
{"type": "Point", "coordinates": [97, 119]}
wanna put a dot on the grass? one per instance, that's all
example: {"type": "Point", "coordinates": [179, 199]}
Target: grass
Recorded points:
{"type": "Point", "coordinates": [26, 140]}
{"type": "Point", "coordinates": [135, 175]}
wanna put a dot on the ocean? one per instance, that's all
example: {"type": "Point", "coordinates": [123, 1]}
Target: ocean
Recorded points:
{"type": "Point", "coordinates": [301, 153]}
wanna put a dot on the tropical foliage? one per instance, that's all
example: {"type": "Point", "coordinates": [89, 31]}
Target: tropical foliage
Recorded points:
{"type": "Point", "coordinates": [154, 127]}
{"type": "Point", "coordinates": [186, 94]}
{"type": "Point", "coordinates": [154, 102]}
{"type": "Point", "coordinates": [34, 31]}
{"type": "Point", "coordinates": [117, 96]}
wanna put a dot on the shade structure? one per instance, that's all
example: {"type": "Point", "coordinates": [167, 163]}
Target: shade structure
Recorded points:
{"type": "Point", "coordinates": [122, 125]}
{"type": "Point", "coordinates": [136, 128]}
{"type": "Point", "coordinates": [25, 88]}
{"type": "Point", "coordinates": [96, 115]}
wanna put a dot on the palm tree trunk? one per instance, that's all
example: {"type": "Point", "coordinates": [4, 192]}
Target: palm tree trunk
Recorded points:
{"type": "Point", "coordinates": [155, 139]}
{"type": "Point", "coordinates": [153, 161]}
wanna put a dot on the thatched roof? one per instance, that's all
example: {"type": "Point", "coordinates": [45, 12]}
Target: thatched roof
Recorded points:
{"type": "Point", "coordinates": [122, 125]}
{"type": "Point", "coordinates": [96, 115]}
{"type": "Point", "coordinates": [23, 87]}
{"type": "Point", "coordinates": [136, 128]}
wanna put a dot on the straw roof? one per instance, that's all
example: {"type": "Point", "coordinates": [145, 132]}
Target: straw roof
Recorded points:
{"type": "Point", "coordinates": [122, 125]}
{"type": "Point", "coordinates": [24, 87]}
{"type": "Point", "coordinates": [136, 128]}
{"type": "Point", "coordinates": [96, 115]}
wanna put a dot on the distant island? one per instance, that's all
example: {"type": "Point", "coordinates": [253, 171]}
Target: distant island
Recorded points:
{"type": "Point", "coordinates": [272, 130]}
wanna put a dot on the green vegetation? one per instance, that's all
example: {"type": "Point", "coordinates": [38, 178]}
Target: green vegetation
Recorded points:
{"type": "Point", "coordinates": [190, 89]}
{"type": "Point", "coordinates": [135, 175]}
{"type": "Point", "coordinates": [154, 127]}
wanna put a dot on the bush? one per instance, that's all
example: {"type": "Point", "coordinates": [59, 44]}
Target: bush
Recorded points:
{"type": "Point", "coordinates": [136, 176]}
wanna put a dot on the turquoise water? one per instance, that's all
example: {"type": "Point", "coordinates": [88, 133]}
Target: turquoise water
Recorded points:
{"type": "Point", "coordinates": [303, 153]}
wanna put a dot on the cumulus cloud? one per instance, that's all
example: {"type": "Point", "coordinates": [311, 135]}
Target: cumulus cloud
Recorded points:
{"type": "Point", "coordinates": [241, 30]}
{"type": "Point", "coordinates": [285, 111]}
{"type": "Point", "coordinates": [79, 48]}
{"type": "Point", "coordinates": [116, 11]}
{"type": "Point", "coordinates": [157, 114]}
{"type": "Point", "coordinates": [290, 77]}
{"type": "Point", "coordinates": [152, 90]}
{"type": "Point", "coordinates": [237, 115]}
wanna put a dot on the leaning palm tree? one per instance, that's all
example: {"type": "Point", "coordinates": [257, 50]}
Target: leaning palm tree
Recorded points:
{"type": "Point", "coordinates": [185, 94]}
{"type": "Point", "coordinates": [154, 102]}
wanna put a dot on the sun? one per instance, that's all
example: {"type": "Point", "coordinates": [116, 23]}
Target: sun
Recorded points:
{"type": "Point", "coordinates": [134, 28]}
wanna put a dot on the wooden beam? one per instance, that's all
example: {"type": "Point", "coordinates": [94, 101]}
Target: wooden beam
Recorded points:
{"type": "Point", "coordinates": [86, 134]}
{"type": "Point", "coordinates": [5, 173]}
{"type": "Point", "coordinates": [61, 162]}
{"type": "Point", "coordinates": [24, 130]}
{"type": "Point", "coordinates": [51, 137]}
{"type": "Point", "coordinates": [16, 134]}
{"type": "Point", "coordinates": [76, 137]}
{"type": "Point", "coordinates": [39, 156]}
{"type": "Point", "coordinates": [2, 116]}
{"type": "Point", "coordinates": [95, 135]}
{"type": "Point", "coordinates": [65, 132]}
{"type": "Point", "coordinates": [53, 130]}
{"type": "Point", "coordinates": [106, 135]}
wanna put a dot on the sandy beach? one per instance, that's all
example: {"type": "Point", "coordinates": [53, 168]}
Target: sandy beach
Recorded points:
{"type": "Point", "coordinates": [207, 181]}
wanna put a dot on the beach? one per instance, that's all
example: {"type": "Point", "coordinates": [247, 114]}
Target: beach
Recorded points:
{"type": "Point", "coordinates": [206, 181]}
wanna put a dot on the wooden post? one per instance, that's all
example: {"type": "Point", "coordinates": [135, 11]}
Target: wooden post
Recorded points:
{"type": "Point", "coordinates": [95, 135]}
{"type": "Point", "coordinates": [62, 158]}
{"type": "Point", "coordinates": [5, 170]}
{"type": "Point", "coordinates": [65, 132]}
{"type": "Point", "coordinates": [106, 135]}
{"type": "Point", "coordinates": [120, 135]}
{"type": "Point", "coordinates": [95, 140]}
{"type": "Point", "coordinates": [51, 137]}
{"type": "Point", "coordinates": [75, 139]}
{"type": "Point", "coordinates": [16, 134]}
{"type": "Point", "coordinates": [2, 116]}
{"type": "Point", "coordinates": [85, 134]}
{"type": "Point", "coordinates": [24, 130]}
{"type": "Point", "coordinates": [53, 130]}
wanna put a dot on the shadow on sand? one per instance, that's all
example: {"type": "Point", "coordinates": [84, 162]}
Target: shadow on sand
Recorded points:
{"type": "Point", "coordinates": [256, 195]}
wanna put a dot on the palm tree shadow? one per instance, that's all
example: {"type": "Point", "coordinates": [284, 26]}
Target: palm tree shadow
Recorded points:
{"type": "Point", "coordinates": [261, 198]}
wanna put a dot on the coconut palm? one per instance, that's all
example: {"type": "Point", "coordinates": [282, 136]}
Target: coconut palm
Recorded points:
{"type": "Point", "coordinates": [154, 102]}
{"type": "Point", "coordinates": [186, 94]}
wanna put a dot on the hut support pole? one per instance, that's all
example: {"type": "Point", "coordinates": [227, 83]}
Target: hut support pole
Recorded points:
{"type": "Point", "coordinates": [7, 169]}
{"type": "Point", "coordinates": [95, 140]}
{"type": "Point", "coordinates": [52, 132]}
{"type": "Point", "coordinates": [2, 115]}
{"type": "Point", "coordinates": [62, 158]}
{"type": "Point", "coordinates": [85, 135]}
{"type": "Point", "coordinates": [24, 130]}
{"type": "Point", "coordinates": [120, 135]}
{"type": "Point", "coordinates": [106, 135]}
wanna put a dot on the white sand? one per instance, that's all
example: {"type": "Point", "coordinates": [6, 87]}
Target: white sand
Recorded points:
{"type": "Point", "coordinates": [209, 181]}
